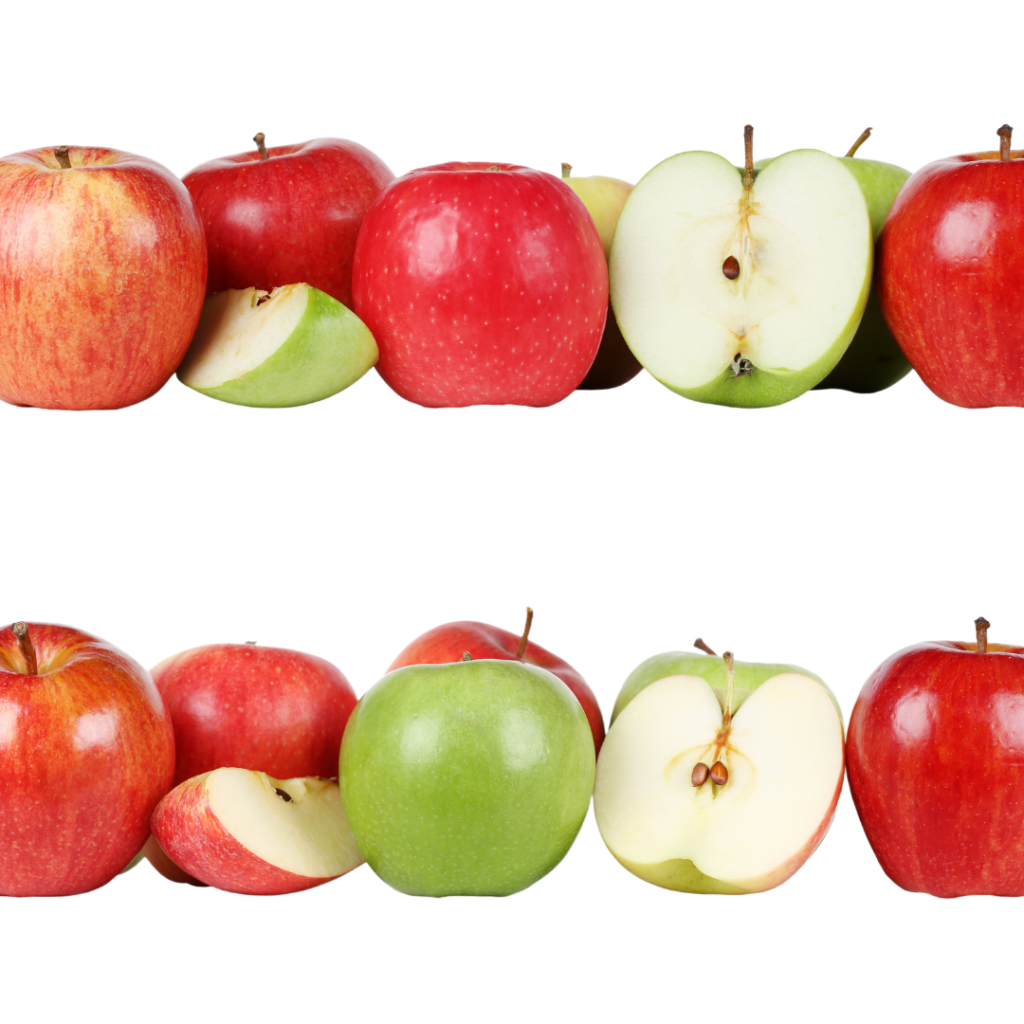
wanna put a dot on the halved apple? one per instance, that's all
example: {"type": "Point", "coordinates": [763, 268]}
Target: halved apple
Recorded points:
{"type": "Point", "coordinates": [739, 288]}
{"type": "Point", "coordinates": [287, 347]}
{"type": "Point", "coordinates": [702, 792]}
{"type": "Point", "coordinates": [245, 832]}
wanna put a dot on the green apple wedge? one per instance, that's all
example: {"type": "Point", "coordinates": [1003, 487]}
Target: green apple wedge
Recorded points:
{"type": "Point", "coordinates": [718, 776]}
{"type": "Point", "coordinates": [738, 288]}
{"type": "Point", "coordinates": [470, 778]}
{"type": "Point", "coordinates": [604, 198]}
{"type": "Point", "coordinates": [291, 346]}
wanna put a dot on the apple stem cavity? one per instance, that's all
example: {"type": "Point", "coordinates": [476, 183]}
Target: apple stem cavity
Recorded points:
{"type": "Point", "coordinates": [981, 627]}
{"type": "Point", "coordinates": [283, 795]}
{"type": "Point", "coordinates": [566, 171]}
{"type": "Point", "coordinates": [526, 634]}
{"type": "Point", "coordinates": [61, 155]}
{"type": "Point", "coordinates": [741, 365]}
{"type": "Point", "coordinates": [1005, 134]}
{"type": "Point", "coordinates": [260, 139]}
{"type": "Point", "coordinates": [864, 136]}
{"type": "Point", "coordinates": [701, 646]}
{"type": "Point", "coordinates": [28, 652]}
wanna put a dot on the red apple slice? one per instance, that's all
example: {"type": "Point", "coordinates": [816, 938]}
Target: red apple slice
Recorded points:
{"type": "Point", "coordinates": [245, 832]}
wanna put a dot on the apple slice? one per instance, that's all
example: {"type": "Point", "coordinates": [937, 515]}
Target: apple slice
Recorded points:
{"type": "Point", "coordinates": [691, 797]}
{"type": "Point", "coordinates": [245, 832]}
{"type": "Point", "coordinates": [291, 346]}
{"type": "Point", "coordinates": [742, 289]}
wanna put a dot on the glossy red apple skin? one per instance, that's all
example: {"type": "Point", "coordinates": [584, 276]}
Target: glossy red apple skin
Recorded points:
{"type": "Point", "coordinates": [195, 840]}
{"type": "Point", "coordinates": [102, 278]}
{"type": "Point", "coordinates": [483, 284]}
{"type": "Point", "coordinates": [86, 752]}
{"type": "Point", "coordinates": [292, 217]}
{"type": "Point", "coordinates": [951, 277]}
{"type": "Point", "coordinates": [935, 761]}
{"type": "Point", "coordinates": [444, 644]}
{"type": "Point", "coordinates": [268, 709]}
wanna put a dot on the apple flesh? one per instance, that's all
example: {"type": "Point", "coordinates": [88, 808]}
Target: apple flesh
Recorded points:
{"type": "Point", "coordinates": [291, 346]}
{"type": "Point", "coordinates": [246, 832]}
{"type": "Point", "coordinates": [466, 779]}
{"type": "Point", "coordinates": [102, 273]}
{"type": "Point", "coordinates": [722, 779]}
{"type": "Point", "coordinates": [742, 290]}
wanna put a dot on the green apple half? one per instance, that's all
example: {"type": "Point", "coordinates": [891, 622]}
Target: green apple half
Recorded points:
{"type": "Point", "coordinates": [470, 778]}
{"type": "Point", "coordinates": [776, 731]}
{"type": "Point", "coordinates": [291, 346]}
{"type": "Point", "coordinates": [739, 289]}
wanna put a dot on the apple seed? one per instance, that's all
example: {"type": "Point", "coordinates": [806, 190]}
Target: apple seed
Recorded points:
{"type": "Point", "coordinates": [731, 268]}
{"type": "Point", "coordinates": [699, 775]}
{"type": "Point", "coordinates": [719, 774]}
{"type": "Point", "coordinates": [283, 795]}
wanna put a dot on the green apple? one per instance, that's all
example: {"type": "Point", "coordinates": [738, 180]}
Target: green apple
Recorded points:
{"type": "Point", "coordinates": [718, 776]}
{"type": "Point", "coordinates": [742, 289]}
{"type": "Point", "coordinates": [291, 346]}
{"type": "Point", "coordinates": [470, 778]}
{"type": "Point", "coordinates": [604, 198]}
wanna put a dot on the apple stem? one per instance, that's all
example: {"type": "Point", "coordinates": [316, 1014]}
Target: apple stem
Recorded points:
{"type": "Point", "coordinates": [466, 656]}
{"type": "Point", "coordinates": [730, 673]}
{"type": "Point", "coordinates": [701, 646]}
{"type": "Point", "coordinates": [981, 626]}
{"type": "Point", "coordinates": [748, 157]}
{"type": "Point", "coordinates": [1005, 133]}
{"type": "Point", "coordinates": [566, 171]}
{"type": "Point", "coordinates": [61, 154]}
{"type": "Point", "coordinates": [526, 633]}
{"type": "Point", "coordinates": [864, 136]}
{"type": "Point", "coordinates": [28, 652]}
{"type": "Point", "coordinates": [260, 139]}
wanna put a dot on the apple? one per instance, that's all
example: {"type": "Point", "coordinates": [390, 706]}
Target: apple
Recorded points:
{"type": "Point", "coordinates": [718, 776]}
{"type": "Point", "coordinates": [951, 274]}
{"type": "Point", "coordinates": [484, 284]}
{"type": "Point", "coordinates": [246, 832]}
{"type": "Point", "coordinates": [470, 778]}
{"type": "Point", "coordinates": [102, 272]}
{"type": "Point", "coordinates": [86, 752]}
{"type": "Point", "coordinates": [739, 289]}
{"type": "Point", "coordinates": [604, 198]}
{"type": "Point", "coordinates": [450, 642]}
{"type": "Point", "coordinates": [283, 214]}
{"type": "Point", "coordinates": [935, 766]}
{"type": "Point", "coordinates": [287, 347]}
{"type": "Point", "coordinates": [263, 708]}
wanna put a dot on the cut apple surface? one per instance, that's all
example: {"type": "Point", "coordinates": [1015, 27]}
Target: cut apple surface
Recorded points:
{"type": "Point", "coordinates": [742, 290]}
{"type": "Point", "coordinates": [663, 810]}
{"type": "Point", "coordinates": [287, 347]}
{"type": "Point", "coordinates": [243, 831]}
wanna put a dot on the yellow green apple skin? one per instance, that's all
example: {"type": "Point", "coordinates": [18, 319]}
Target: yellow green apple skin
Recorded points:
{"type": "Point", "coordinates": [470, 778]}
{"type": "Point", "coordinates": [322, 350]}
{"type": "Point", "coordinates": [604, 198]}
{"type": "Point", "coordinates": [639, 802]}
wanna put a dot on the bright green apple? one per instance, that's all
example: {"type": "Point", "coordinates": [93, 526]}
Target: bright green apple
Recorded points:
{"type": "Point", "coordinates": [739, 288]}
{"type": "Point", "coordinates": [470, 778]}
{"type": "Point", "coordinates": [718, 776]}
{"type": "Point", "coordinates": [291, 346]}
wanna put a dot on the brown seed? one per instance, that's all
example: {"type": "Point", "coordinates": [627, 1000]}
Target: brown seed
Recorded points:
{"type": "Point", "coordinates": [731, 268]}
{"type": "Point", "coordinates": [283, 795]}
{"type": "Point", "coordinates": [699, 775]}
{"type": "Point", "coordinates": [719, 774]}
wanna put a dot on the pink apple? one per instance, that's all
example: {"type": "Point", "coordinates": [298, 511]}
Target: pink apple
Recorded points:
{"type": "Point", "coordinates": [246, 832]}
{"type": "Point", "coordinates": [448, 643]}
{"type": "Point", "coordinates": [483, 284]}
{"type": "Point", "coordinates": [286, 214]}
{"type": "Point", "coordinates": [86, 751]}
{"type": "Point", "coordinates": [102, 277]}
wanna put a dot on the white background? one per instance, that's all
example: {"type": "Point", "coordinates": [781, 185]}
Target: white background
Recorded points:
{"type": "Point", "coordinates": [828, 533]}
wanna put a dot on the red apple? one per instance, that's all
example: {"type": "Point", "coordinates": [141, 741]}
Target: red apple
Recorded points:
{"type": "Point", "coordinates": [951, 276]}
{"type": "Point", "coordinates": [102, 276]}
{"type": "Point", "coordinates": [263, 708]}
{"type": "Point", "coordinates": [935, 759]}
{"type": "Point", "coordinates": [448, 643]}
{"type": "Point", "coordinates": [286, 214]}
{"type": "Point", "coordinates": [483, 284]}
{"type": "Point", "coordinates": [86, 751]}
{"type": "Point", "coordinates": [246, 832]}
